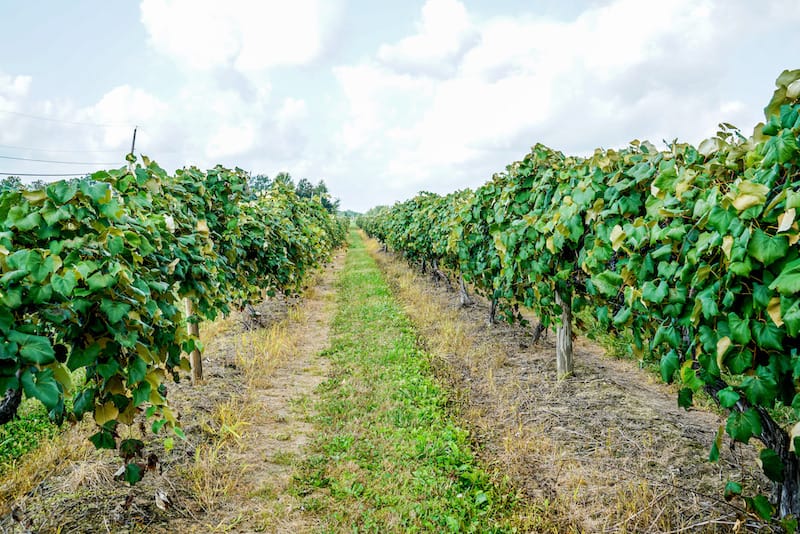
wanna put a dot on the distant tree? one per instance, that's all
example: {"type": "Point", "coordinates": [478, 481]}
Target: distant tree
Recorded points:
{"type": "Point", "coordinates": [305, 189]}
{"type": "Point", "coordinates": [284, 178]}
{"type": "Point", "coordinates": [331, 204]}
{"type": "Point", "coordinates": [11, 182]}
{"type": "Point", "coordinates": [259, 183]}
{"type": "Point", "coordinates": [36, 185]}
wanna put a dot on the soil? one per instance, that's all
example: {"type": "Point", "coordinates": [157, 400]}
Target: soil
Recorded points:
{"type": "Point", "coordinates": [247, 475]}
{"type": "Point", "coordinates": [609, 443]}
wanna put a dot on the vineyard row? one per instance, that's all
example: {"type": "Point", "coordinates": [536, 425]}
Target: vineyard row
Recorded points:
{"type": "Point", "coordinates": [691, 250]}
{"type": "Point", "coordinates": [95, 275]}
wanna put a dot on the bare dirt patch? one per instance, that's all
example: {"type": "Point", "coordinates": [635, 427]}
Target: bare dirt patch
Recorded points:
{"type": "Point", "coordinates": [607, 450]}
{"type": "Point", "coordinates": [246, 427]}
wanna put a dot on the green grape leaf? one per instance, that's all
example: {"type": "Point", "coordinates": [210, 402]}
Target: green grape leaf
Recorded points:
{"type": "Point", "coordinates": [767, 249]}
{"type": "Point", "coordinates": [772, 465]}
{"type": "Point", "coordinates": [741, 426]}
{"type": "Point", "coordinates": [42, 385]}
{"type": "Point", "coordinates": [33, 349]}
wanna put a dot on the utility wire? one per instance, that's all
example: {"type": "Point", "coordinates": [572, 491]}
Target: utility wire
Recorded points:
{"type": "Point", "coordinates": [62, 162]}
{"type": "Point", "coordinates": [117, 151]}
{"type": "Point", "coordinates": [78, 151]}
{"type": "Point", "coordinates": [50, 119]}
{"type": "Point", "coordinates": [43, 174]}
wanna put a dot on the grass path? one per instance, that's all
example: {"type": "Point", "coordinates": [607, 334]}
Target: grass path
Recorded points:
{"type": "Point", "coordinates": [387, 456]}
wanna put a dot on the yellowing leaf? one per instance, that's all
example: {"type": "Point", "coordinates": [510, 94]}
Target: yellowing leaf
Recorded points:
{"type": "Point", "coordinates": [155, 377]}
{"type": "Point", "coordinates": [727, 245]}
{"type": "Point", "coordinates": [144, 353]}
{"type": "Point", "coordinates": [785, 220]}
{"type": "Point", "coordinates": [723, 345]}
{"type": "Point", "coordinates": [749, 195]}
{"type": "Point", "coordinates": [793, 89]}
{"type": "Point", "coordinates": [687, 177]}
{"type": "Point", "coordinates": [105, 413]}
{"type": "Point", "coordinates": [128, 415]}
{"type": "Point", "coordinates": [35, 196]}
{"type": "Point", "coordinates": [655, 191]}
{"type": "Point", "coordinates": [617, 237]}
{"type": "Point", "coordinates": [168, 415]}
{"type": "Point", "coordinates": [550, 245]}
{"type": "Point", "coordinates": [709, 146]}
{"type": "Point", "coordinates": [698, 307]}
{"type": "Point", "coordinates": [774, 311]}
{"type": "Point", "coordinates": [155, 398]}
{"type": "Point", "coordinates": [500, 246]}
{"type": "Point", "coordinates": [793, 434]}
{"type": "Point", "coordinates": [202, 226]}
{"type": "Point", "coordinates": [63, 376]}
{"type": "Point", "coordinates": [114, 385]}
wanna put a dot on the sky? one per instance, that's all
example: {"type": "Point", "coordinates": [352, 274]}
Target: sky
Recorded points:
{"type": "Point", "coordinates": [378, 99]}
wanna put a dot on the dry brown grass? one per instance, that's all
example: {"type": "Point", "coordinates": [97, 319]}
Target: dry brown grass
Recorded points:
{"type": "Point", "coordinates": [37, 465]}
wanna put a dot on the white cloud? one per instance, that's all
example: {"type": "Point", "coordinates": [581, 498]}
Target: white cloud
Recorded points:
{"type": "Point", "coordinates": [199, 124]}
{"type": "Point", "coordinates": [14, 86]}
{"type": "Point", "coordinates": [292, 110]}
{"type": "Point", "coordinates": [246, 35]}
{"type": "Point", "coordinates": [443, 34]}
{"type": "Point", "coordinates": [231, 140]}
{"type": "Point", "coordinates": [443, 108]}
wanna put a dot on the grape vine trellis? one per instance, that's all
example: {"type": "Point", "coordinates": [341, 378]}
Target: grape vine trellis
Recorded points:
{"type": "Point", "coordinates": [693, 250]}
{"type": "Point", "coordinates": [94, 272]}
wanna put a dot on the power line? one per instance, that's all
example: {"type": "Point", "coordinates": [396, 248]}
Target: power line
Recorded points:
{"type": "Point", "coordinates": [43, 174]}
{"type": "Point", "coordinates": [117, 151]}
{"type": "Point", "coordinates": [79, 123]}
{"type": "Point", "coordinates": [76, 150]}
{"type": "Point", "coordinates": [62, 162]}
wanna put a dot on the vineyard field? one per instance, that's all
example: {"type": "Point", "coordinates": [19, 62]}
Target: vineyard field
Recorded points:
{"type": "Point", "coordinates": [215, 356]}
{"type": "Point", "coordinates": [690, 250]}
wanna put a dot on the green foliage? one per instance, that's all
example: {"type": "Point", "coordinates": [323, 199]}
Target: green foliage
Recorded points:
{"type": "Point", "coordinates": [692, 249]}
{"type": "Point", "coordinates": [93, 274]}
{"type": "Point", "coordinates": [24, 433]}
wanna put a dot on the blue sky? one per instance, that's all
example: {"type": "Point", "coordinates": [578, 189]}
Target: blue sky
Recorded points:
{"type": "Point", "coordinates": [380, 100]}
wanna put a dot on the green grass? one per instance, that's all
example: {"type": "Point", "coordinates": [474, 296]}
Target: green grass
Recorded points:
{"type": "Point", "coordinates": [388, 457]}
{"type": "Point", "coordinates": [21, 435]}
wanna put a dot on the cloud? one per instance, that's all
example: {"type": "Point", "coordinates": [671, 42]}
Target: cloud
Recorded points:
{"type": "Point", "coordinates": [444, 33]}
{"type": "Point", "coordinates": [14, 86]}
{"type": "Point", "coordinates": [443, 108]}
{"type": "Point", "coordinates": [245, 35]}
{"type": "Point", "coordinates": [200, 124]}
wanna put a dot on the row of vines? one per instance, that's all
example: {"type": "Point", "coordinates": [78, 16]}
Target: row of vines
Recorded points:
{"type": "Point", "coordinates": [94, 275]}
{"type": "Point", "coordinates": [691, 250]}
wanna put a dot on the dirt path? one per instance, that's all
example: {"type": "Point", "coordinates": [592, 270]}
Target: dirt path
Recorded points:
{"type": "Point", "coordinates": [607, 450]}
{"type": "Point", "coordinates": [277, 442]}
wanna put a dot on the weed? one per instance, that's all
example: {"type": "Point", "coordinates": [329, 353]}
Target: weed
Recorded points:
{"type": "Point", "coordinates": [388, 456]}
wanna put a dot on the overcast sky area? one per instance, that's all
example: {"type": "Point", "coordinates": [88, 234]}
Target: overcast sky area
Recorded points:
{"type": "Point", "coordinates": [379, 99]}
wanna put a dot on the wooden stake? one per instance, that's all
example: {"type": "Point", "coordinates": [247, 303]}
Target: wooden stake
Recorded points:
{"type": "Point", "coordinates": [564, 363]}
{"type": "Point", "coordinates": [195, 358]}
